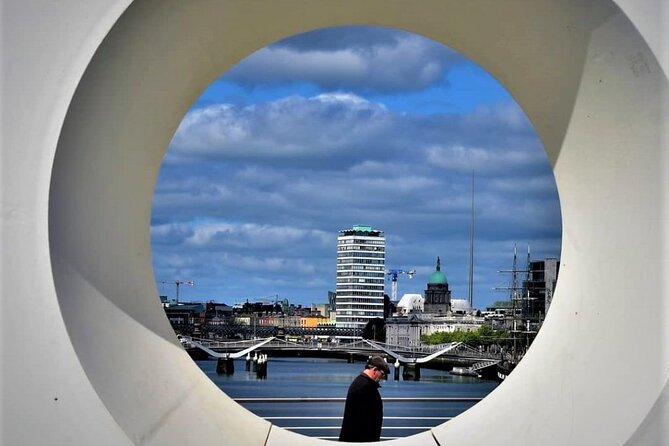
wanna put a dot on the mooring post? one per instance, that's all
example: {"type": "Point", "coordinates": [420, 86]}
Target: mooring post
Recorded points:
{"type": "Point", "coordinates": [225, 365]}
{"type": "Point", "coordinates": [411, 372]}
{"type": "Point", "coordinates": [220, 365]}
{"type": "Point", "coordinates": [261, 370]}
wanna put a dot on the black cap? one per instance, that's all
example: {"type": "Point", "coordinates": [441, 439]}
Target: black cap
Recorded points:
{"type": "Point", "coordinates": [379, 363]}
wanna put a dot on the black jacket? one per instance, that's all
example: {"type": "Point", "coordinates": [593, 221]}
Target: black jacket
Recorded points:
{"type": "Point", "coordinates": [363, 413]}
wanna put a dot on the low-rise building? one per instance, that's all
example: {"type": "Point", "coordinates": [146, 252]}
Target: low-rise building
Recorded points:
{"type": "Point", "coordinates": [185, 314]}
{"type": "Point", "coordinates": [312, 321]}
{"type": "Point", "coordinates": [407, 331]}
{"type": "Point", "coordinates": [410, 303]}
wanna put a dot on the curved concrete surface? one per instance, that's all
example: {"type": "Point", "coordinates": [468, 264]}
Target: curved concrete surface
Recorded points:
{"type": "Point", "coordinates": [92, 92]}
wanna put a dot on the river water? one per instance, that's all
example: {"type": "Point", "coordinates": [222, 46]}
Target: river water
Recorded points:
{"type": "Point", "coordinates": [330, 378]}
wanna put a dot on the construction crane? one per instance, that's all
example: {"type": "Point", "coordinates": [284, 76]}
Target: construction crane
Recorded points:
{"type": "Point", "coordinates": [393, 273]}
{"type": "Point", "coordinates": [178, 283]}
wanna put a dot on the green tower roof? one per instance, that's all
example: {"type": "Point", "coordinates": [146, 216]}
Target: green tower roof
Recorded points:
{"type": "Point", "coordinates": [438, 277]}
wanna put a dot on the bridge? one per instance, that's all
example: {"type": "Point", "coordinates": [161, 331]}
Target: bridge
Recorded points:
{"type": "Point", "coordinates": [431, 356]}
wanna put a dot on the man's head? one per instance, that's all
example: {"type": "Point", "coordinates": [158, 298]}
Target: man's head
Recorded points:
{"type": "Point", "coordinates": [376, 368]}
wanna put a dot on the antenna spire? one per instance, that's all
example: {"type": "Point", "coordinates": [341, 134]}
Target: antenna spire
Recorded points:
{"type": "Point", "coordinates": [470, 292]}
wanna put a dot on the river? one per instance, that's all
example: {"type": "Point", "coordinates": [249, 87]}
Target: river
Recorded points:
{"type": "Point", "coordinates": [330, 378]}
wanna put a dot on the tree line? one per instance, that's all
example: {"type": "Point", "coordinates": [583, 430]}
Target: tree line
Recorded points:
{"type": "Point", "coordinates": [484, 335]}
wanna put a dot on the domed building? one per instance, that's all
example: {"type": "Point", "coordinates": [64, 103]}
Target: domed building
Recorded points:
{"type": "Point", "coordinates": [437, 294]}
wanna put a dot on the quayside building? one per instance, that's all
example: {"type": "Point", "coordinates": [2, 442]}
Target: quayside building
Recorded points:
{"type": "Point", "coordinates": [361, 259]}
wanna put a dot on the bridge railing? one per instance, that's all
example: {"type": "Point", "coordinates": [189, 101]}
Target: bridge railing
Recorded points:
{"type": "Point", "coordinates": [321, 417]}
{"type": "Point", "coordinates": [462, 350]}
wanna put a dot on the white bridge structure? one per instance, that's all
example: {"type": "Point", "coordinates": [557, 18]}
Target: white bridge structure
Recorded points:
{"type": "Point", "coordinates": [208, 347]}
{"type": "Point", "coordinates": [92, 92]}
{"type": "Point", "coordinates": [451, 347]}
{"type": "Point", "coordinates": [417, 355]}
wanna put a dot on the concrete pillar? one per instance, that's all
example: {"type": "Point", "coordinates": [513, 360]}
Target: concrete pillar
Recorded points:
{"type": "Point", "coordinates": [225, 366]}
{"type": "Point", "coordinates": [411, 372]}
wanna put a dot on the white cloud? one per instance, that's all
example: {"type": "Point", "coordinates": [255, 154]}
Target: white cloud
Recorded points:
{"type": "Point", "coordinates": [250, 197]}
{"type": "Point", "coordinates": [459, 158]}
{"type": "Point", "coordinates": [252, 236]}
{"type": "Point", "coordinates": [322, 125]}
{"type": "Point", "coordinates": [405, 62]}
{"type": "Point", "coordinates": [508, 114]}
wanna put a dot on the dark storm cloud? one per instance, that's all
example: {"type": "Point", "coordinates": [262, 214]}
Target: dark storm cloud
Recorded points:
{"type": "Point", "coordinates": [349, 58]}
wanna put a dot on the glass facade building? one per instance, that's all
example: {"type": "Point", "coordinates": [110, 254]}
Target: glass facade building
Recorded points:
{"type": "Point", "coordinates": [361, 260]}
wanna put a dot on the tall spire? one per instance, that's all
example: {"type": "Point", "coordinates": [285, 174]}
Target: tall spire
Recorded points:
{"type": "Point", "coordinates": [470, 291]}
{"type": "Point", "coordinates": [438, 264]}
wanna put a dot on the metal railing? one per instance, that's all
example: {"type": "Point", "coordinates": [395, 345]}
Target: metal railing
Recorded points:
{"type": "Point", "coordinates": [395, 423]}
{"type": "Point", "coordinates": [462, 350]}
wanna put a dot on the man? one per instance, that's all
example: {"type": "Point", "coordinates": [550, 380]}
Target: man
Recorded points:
{"type": "Point", "coordinates": [363, 412]}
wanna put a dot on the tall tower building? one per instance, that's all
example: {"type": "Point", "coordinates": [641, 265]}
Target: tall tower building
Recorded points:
{"type": "Point", "coordinates": [437, 294]}
{"type": "Point", "coordinates": [361, 263]}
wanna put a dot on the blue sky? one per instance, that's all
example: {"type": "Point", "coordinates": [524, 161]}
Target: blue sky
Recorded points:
{"type": "Point", "coordinates": [344, 126]}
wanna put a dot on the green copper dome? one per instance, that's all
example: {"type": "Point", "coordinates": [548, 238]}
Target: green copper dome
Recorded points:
{"type": "Point", "coordinates": [438, 277]}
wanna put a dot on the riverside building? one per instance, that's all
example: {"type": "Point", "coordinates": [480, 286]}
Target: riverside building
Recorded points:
{"type": "Point", "coordinates": [361, 259]}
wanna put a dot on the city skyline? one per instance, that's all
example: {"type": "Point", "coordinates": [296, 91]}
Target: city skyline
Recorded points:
{"type": "Point", "coordinates": [345, 126]}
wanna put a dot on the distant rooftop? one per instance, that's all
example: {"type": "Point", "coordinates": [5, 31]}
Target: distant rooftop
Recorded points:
{"type": "Point", "coordinates": [361, 230]}
{"type": "Point", "coordinates": [502, 304]}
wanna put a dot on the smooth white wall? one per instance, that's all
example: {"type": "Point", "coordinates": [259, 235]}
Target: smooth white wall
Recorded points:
{"type": "Point", "coordinates": [69, 375]}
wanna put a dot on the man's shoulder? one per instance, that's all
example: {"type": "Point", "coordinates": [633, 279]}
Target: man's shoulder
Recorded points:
{"type": "Point", "coordinates": [363, 380]}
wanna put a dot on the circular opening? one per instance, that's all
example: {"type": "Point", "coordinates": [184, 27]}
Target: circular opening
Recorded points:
{"type": "Point", "coordinates": [309, 138]}
{"type": "Point", "coordinates": [577, 70]}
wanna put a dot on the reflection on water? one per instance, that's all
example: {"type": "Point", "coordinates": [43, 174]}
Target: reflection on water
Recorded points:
{"type": "Point", "coordinates": [330, 378]}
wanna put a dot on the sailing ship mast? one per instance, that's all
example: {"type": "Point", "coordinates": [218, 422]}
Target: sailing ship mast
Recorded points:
{"type": "Point", "coordinates": [519, 301]}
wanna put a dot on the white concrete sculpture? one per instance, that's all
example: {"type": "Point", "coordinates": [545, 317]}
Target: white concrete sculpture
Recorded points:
{"type": "Point", "coordinates": [92, 91]}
